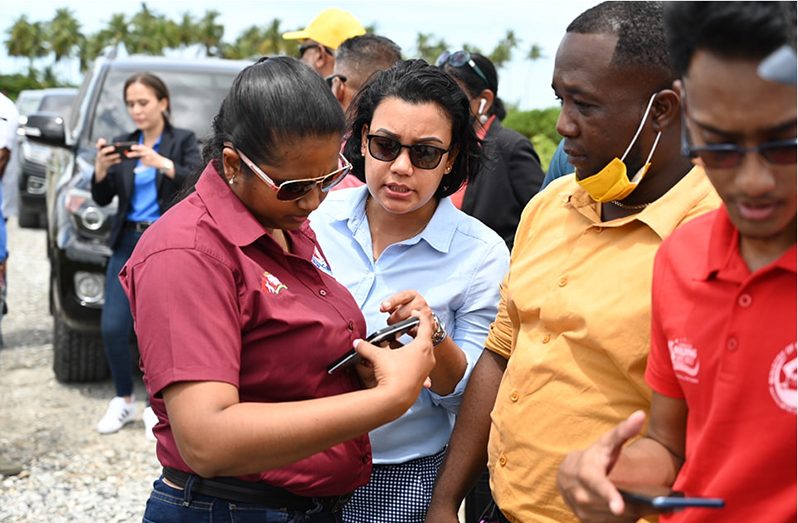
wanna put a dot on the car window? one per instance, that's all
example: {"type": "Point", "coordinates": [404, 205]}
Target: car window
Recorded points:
{"type": "Point", "coordinates": [195, 99]}
{"type": "Point", "coordinates": [57, 103]}
{"type": "Point", "coordinates": [28, 103]}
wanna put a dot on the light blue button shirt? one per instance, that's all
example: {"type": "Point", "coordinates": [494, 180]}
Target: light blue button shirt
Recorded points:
{"type": "Point", "coordinates": [456, 263]}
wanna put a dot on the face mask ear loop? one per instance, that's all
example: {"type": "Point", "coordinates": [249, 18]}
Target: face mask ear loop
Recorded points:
{"type": "Point", "coordinates": [640, 128]}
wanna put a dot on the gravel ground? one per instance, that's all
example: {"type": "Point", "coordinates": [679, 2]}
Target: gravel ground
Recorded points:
{"type": "Point", "coordinates": [71, 473]}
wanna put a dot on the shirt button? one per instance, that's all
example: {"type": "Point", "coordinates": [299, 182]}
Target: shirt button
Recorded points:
{"type": "Point", "coordinates": [514, 396]}
{"type": "Point", "coordinates": [502, 460]}
{"type": "Point", "coordinates": [322, 292]}
{"type": "Point", "coordinates": [745, 300]}
{"type": "Point", "coordinates": [351, 326]}
{"type": "Point", "coordinates": [547, 338]}
{"type": "Point", "coordinates": [731, 344]}
{"type": "Point", "coordinates": [563, 282]}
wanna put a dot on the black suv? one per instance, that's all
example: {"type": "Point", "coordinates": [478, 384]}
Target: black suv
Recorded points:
{"type": "Point", "coordinates": [77, 228]}
{"type": "Point", "coordinates": [33, 156]}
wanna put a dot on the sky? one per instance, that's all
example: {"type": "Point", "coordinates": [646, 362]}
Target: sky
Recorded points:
{"type": "Point", "coordinates": [483, 24]}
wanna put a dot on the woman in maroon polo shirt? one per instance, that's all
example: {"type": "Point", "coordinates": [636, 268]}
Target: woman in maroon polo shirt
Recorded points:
{"type": "Point", "coordinates": [238, 318]}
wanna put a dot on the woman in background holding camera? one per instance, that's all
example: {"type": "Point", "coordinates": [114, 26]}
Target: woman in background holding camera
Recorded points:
{"type": "Point", "coordinates": [398, 244]}
{"type": "Point", "coordinates": [144, 171]}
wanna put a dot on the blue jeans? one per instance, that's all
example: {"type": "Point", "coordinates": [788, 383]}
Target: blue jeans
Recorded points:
{"type": "Point", "coordinates": [117, 321]}
{"type": "Point", "coordinates": [168, 504]}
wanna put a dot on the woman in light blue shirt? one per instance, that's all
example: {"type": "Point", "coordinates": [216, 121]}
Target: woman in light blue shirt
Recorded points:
{"type": "Point", "coordinates": [399, 244]}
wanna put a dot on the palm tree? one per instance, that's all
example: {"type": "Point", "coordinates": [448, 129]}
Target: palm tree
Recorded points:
{"type": "Point", "coordinates": [187, 30]}
{"type": "Point", "coordinates": [210, 33]}
{"type": "Point", "coordinates": [429, 50]}
{"type": "Point", "coordinates": [504, 49]}
{"type": "Point", "coordinates": [26, 40]}
{"type": "Point", "coordinates": [247, 45]}
{"type": "Point", "coordinates": [535, 53]}
{"type": "Point", "coordinates": [90, 48]}
{"type": "Point", "coordinates": [63, 34]}
{"type": "Point", "coordinates": [117, 30]}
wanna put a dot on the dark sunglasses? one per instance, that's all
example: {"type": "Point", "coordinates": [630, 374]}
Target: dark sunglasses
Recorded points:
{"type": "Point", "coordinates": [730, 155]}
{"type": "Point", "coordinates": [421, 155]}
{"type": "Point", "coordinates": [329, 79]}
{"type": "Point", "coordinates": [459, 59]}
{"type": "Point", "coordinates": [296, 189]}
{"type": "Point", "coordinates": [304, 48]}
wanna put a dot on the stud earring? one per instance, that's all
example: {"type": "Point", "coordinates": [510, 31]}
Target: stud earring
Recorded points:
{"type": "Point", "coordinates": [483, 118]}
{"type": "Point", "coordinates": [231, 181]}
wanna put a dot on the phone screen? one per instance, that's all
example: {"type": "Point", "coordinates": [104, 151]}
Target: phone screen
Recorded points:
{"type": "Point", "coordinates": [387, 334]}
{"type": "Point", "coordinates": [123, 147]}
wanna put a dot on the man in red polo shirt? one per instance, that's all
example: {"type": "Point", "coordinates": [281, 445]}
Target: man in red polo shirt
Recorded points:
{"type": "Point", "coordinates": [723, 356]}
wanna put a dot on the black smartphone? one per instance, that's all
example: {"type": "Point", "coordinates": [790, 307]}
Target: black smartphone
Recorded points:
{"type": "Point", "coordinates": [663, 499]}
{"type": "Point", "coordinates": [123, 147]}
{"type": "Point", "coordinates": [389, 333]}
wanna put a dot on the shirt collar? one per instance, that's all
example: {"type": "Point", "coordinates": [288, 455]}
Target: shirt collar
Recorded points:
{"type": "Point", "coordinates": [663, 215]}
{"type": "Point", "coordinates": [438, 233]}
{"type": "Point", "coordinates": [235, 221]}
{"type": "Point", "coordinates": [724, 257]}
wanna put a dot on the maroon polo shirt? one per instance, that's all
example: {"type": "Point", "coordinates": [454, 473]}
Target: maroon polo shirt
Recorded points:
{"type": "Point", "coordinates": [215, 298]}
{"type": "Point", "coordinates": [723, 339]}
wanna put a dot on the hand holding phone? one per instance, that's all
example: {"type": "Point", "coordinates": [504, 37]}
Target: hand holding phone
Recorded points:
{"type": "Point", "coordinates": [121, 148]}
{"type": "Point", "coordinates": [663, 499]}
{"type": "Point", "coordinates": [385, 335]}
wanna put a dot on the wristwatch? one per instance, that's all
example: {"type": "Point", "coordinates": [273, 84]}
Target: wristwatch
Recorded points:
{"type": "Point", "coordinates": [166, 168]}
{"type": "Point", "coordinates": [440, 330]}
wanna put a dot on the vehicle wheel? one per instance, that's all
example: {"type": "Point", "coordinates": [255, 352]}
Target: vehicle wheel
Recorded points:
{"type": "Point", "coordinates": [77, 357]}
{"type": "Point", "coordinates": [28, 219]}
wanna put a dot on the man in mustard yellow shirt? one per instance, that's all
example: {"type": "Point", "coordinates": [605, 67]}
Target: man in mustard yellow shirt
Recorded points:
{"type": "Point", "coordinates": [567, 352]}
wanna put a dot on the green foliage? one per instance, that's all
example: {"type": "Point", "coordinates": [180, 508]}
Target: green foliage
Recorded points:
{"type": "Point", "coordinates": [539, 125]}
{"type": "Point", "coordinates": [12, 84]}
{"type": "Point", "coordinates": [545, 149]}
{"type": "Point", "coordinates": [534, 122]}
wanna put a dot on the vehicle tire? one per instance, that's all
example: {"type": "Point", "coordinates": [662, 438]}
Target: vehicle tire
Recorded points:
{"type": "Point", "coordinates": [28, 219]}
{"type": "Point", "coordinates": [77, 357]}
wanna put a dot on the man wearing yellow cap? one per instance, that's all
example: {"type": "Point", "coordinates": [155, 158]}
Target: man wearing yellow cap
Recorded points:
{"type": "Point", "coordinates": [322, 36]}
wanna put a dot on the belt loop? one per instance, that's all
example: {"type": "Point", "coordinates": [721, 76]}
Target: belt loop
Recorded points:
{"type": "Point", "coordinates": [187, 490]}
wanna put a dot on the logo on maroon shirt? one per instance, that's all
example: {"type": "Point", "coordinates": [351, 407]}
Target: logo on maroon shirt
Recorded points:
{"type": "Point", "coordinates": [782, 379]}
{"type": "Point", "coordinates": [270, 283]}
{"type": "Point", "coordinates": [684, 358]}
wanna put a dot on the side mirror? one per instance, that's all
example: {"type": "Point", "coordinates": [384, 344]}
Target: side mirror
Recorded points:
{"type": "Point", "coordinates": [46, 128]}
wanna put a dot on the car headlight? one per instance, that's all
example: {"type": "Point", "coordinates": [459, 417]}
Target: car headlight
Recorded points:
{"type": "Point", "coordinates": [35, 153]}
{"type": "Point", "coordinates": [90, 288]}
{"type": "Point", "coordinates": [88, 215]}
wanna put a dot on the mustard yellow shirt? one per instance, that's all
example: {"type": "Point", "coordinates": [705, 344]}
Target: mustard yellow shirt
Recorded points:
{"type": "Point", "coordinates": [574, 324]}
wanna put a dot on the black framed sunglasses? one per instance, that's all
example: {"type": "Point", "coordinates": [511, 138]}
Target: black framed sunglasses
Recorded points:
{"type": "Point", "coordinates": [304, 48]}
{"type": "Point", "coordinates": [387, 149]}
{"type": "Point", "coordinates": [730, 155]}
{"type": "Point", "coordinates": [296, 189]}
{"type": "Point", "coordinates": [332, 77]}
{"type": "Point", "coordinates": [460, 59]}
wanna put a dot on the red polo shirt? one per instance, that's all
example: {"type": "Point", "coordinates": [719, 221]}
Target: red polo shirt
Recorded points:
{"type": "Point", "coordinates": [215, 298]}
{"type": "Point", "coordinates": [724, 340]}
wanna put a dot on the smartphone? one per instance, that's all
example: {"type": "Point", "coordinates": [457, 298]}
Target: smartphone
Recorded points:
{"type": "Point", "coordinates": [663, 499]}
{"type": "Point", "coordinates": [123, 147]}
{"type": "Point", "coordinates": [389, 333]}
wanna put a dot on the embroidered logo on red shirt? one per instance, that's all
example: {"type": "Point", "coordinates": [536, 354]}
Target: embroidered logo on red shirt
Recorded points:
{"type": "Point", "coordinates": [684, 358]}
{"type": "Point", "coordinates": [270, 283]}
{"type": "Point", "coordinates": [782, 379]}
{"type": "Point", "coordinates": [319, 261]}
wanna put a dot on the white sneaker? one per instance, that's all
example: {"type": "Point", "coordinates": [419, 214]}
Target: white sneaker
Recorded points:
{"type": "Point", "coordinates": [150, 420]}
{"type": "Point", "coordinates": [119, 414]}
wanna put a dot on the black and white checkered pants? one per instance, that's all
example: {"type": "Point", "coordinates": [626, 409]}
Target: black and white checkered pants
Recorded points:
{"type": "Point", "coordinates": [395, 493]}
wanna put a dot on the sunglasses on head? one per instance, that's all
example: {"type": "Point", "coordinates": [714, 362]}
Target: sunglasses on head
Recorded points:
{"type": "Point", "coordinates": [296, 189]}
{"type": "Point", "coordinates": [387, 149]}
{"type": "Point", "coordinates": [460, 59]}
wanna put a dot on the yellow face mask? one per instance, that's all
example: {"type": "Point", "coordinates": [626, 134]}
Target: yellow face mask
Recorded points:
{"type": "Point", "coordinates": [612, 183]}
